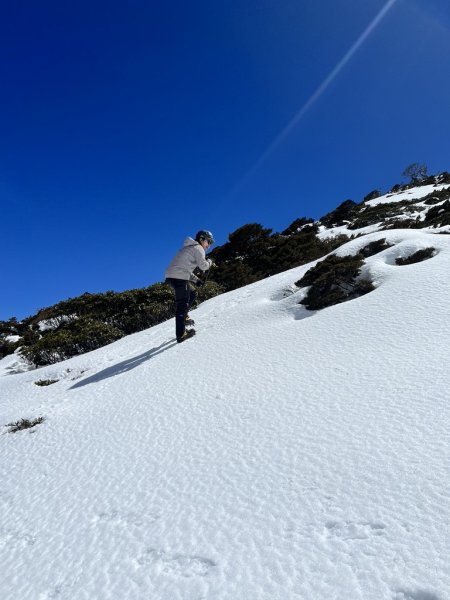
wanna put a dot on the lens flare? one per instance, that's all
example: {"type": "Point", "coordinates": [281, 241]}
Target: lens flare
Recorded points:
{"type": "Point", "coordinates": [317, 94]}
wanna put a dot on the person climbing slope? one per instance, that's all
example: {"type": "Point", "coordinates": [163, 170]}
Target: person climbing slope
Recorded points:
{"type": "Point", "coordinates": [180, 276]}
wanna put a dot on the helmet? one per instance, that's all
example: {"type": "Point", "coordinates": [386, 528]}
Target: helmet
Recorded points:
{"type": "Point", "coordinates": [203, 234]}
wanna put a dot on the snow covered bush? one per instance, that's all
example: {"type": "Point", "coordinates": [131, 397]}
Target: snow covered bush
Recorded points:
{"type": "Point", "coordinates": [374, 247]}
{"type": "Point", "coordinates": [24, 424]}
{"type": "Point", "coordinates": [418, 256]}
{"type": "Point", "coordinates": [334, 280]}
{"type": "Point", "coordinates": [438, 215]}
{"type": "Point", "coordinates": [302, 224]}
{"type": "Point", "coordinates": [9, 337]}
{"type": "Point", "coordinates": [7, 347]}
{"type": "Point", "coordinates": [437, 196]}
{"type": "Point", "coordinates": [342, 215]}
{"type": "Point", "coordinates": [45, 382]}
{"type": "Point", "coordinates": [382, 213]}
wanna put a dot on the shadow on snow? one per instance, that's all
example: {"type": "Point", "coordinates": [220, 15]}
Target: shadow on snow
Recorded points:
{"type": "Point", "coordinates": [126, 365]}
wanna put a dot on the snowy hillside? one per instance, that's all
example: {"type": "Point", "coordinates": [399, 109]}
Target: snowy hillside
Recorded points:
{"type": "Point", "coordinates": [280, 454]}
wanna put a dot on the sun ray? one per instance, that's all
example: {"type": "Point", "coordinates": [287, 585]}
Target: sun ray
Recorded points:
{"type": "Point", "coordinates": [316, 95]}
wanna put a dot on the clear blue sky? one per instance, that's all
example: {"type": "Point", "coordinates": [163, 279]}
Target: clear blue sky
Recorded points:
{"type": "Point", "coordinates": [127, 126]}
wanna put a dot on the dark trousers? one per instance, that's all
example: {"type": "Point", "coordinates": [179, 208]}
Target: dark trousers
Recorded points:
{"type": "Point", "coordinates": [184, 299]}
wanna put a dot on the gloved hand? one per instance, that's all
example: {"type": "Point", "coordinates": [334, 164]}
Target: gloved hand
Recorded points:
{"type": "Point", "coordinates": [212, 265]}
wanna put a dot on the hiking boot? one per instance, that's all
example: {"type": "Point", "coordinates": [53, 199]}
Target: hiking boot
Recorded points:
{"type": "Point", "coordinates": [189, 321]}
{"type": "Point", "coordinates": [186, 335]}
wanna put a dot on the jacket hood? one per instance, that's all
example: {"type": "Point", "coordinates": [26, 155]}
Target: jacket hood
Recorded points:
{"type": "Point", "coordinates": [189, 242]}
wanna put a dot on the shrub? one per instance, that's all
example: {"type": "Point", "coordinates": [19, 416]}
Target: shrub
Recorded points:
{"type": "Point", "coordinates": [334, 280]}
{"type": "Point", "coordinates": [372, 195]}
{"type": "Point", "coordinates": [253, 254]}
{"type": "Point", "coordinates": [7, 347]}
{"type": "Point", "coordinates": [418, 256]}
{"type": "Point", "coordinates": [9, 328]}
{"type": "Point", "coordinates": [90, 321]}
{"type": "Point", "coordinates": [341, 215]}
{"type": "Point", "coordinates": [438, 216]}
{"type": "Point", "coordinates": [374, 247]}
{"type": "Point", "coordinates": [44, 382]}
{"type": "Point", "coordinates": [209, 290]}
{"type": "Point", "coordinates": [300, 225]}
{"type": "Point", "coordinates": [70, 340]}
{"type": "Point", "coordinates": [381, 213]}
{"type": "Point", "coordinates": [24, 424]}
{"type": "Point", "coordinates": [443, 177]}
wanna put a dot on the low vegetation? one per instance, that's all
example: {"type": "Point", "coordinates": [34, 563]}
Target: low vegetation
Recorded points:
{"type": "Point", "coordinates": [375, 247]}
{"type": "Point", "coordinates": [45, 382]}
{"type": "Point", "coordinates": [253, 252]}
{"type": "Point", "coordinates": [334, 280]}
{"type": "Point", "coordinates": [24, 424]}
{"type": "Point", "coordinates": [416, 257]}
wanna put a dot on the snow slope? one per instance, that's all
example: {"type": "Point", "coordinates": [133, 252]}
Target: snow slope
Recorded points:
{"type": "Point", "coordinates": [281, 454]}
{"type": "Point", "coordinates": [410, 194]}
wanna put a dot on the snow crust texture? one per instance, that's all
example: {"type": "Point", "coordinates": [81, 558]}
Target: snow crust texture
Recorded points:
{"type": "Point", "coordinates": [280, 454]}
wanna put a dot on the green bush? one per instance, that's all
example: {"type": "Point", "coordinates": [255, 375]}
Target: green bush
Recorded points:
{"type": "Point", "coordinates": [302, 224]}
{"type": "Point", "coordinates": [443, 177]}
{"type": "Point", "coordinates": [374, 247]}
{"type": "Point", "coordinates": [334, 280]}
{"type": "Point", "coordinates": [70, 340]}
{"type": "Point", "coordinates": [438, 216]}
{"type": "Point", "coordinates": [382, 213]}
{"type": "Point", "coordinates": [45, 382]}
{"type": "Point", "coordinates": [418, 256]}
{"type": "Point", "coordinates": [342, 215]}
{"type": "Point", "coordinates": [253, 254]}
{"type": "Point", "coordinates": [209, 290]}
{"type": "Point", "coordinates": [24, 424]}
{"type": "Point", "coordinates": [8, 328]}
{"type": "Point", "coordinates": [7, 347]}
{"type": "Point", "coordinates": [372, 195]}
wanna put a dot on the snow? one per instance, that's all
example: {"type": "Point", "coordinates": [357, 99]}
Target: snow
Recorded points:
{"type": "Point", "coordinates": [12, 338]}
{"type": "Point", "coordinates": [415, 193]}
{"type": "Point", "coordinates": [280, 454]}
{"type": "Point", "coordinates": [55, 322]}
{"type": "Point", "coordinates": [412, 194]}
{"type": "Point", "coordinates": [331, 232]}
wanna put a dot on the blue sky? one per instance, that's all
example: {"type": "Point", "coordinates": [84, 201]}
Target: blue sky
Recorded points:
{"type": "Point", "coordinates": [127, 126]}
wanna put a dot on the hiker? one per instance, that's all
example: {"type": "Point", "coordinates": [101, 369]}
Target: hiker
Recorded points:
{"type": "Point", "coordinates": [179, 274]}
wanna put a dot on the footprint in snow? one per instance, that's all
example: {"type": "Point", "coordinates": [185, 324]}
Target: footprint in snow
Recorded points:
{"type": "Point", "coordinates": [117, 518]}
{"type": "Point", "coordinates": [349, 530]}
{"type": "Point", "coordinates": [284, 293]}
{"type": "Point", "coordinates": [178, 565]}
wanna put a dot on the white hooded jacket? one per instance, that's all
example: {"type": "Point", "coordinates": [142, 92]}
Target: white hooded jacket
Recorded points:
{"type": "Point", "coordinates": [191, 255]}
